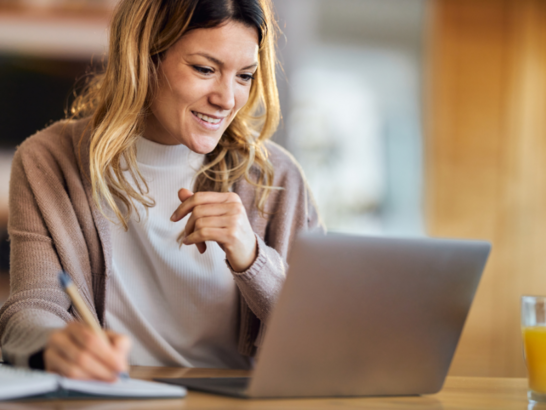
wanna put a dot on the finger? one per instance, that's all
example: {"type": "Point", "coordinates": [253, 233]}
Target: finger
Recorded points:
{"type": "Point", "coordinates": [206, 234]}
{"type": "Point", "coordinates": [84, 361]}
{"type": "Point", "coordinates": [184, 194]}
{"type": "Point", "coordinates": [209, 210]}
{"type": "Point", "coordinates": [63, 344]}
{"type": "Point", "coordinates": [56, 363]}
{"type": "Point", "coordinates": [205, 222]}
{"type": "Point", "coordinates": [202, 198]}
{"type": "Point", "coordinates": [201, 247]}
{"type": "Point", "coordinates": [211, 222]}
{"type": "Point", "coordinates": [223, 221]}
{"type": "Point", "coordinates": [122, 345]}
{"type": "Point", "coordinates": [84, 337]}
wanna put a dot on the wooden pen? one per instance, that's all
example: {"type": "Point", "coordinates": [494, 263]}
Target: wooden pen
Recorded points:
{"type": "Point", "coordinates": [70, 288]}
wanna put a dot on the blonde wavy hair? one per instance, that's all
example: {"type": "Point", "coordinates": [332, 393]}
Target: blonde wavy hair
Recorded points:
{"type": "Point", "coordinates": [118, 100]}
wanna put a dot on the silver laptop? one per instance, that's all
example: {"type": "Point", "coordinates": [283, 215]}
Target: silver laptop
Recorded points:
{"type": "Point", "coordinates": [362, 316]}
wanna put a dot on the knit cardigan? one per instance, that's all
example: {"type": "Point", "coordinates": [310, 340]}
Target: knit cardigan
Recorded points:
{"type": "Point", "coordinates": [54, 224]}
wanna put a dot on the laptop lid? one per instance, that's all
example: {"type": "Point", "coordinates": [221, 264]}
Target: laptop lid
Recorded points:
{"type": "Point", "coordinates": [364, 316]}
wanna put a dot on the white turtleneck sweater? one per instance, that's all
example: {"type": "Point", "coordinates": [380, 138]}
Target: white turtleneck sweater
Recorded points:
{"type": "Point", "coordinates": [179, 307]}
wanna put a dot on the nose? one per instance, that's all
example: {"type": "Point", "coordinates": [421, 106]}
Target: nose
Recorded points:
{"type": "Point", "coordinates": [223, 95]}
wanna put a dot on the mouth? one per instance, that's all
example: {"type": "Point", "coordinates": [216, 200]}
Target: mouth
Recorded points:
{"type": "Point", "coordinates": [208, 119]}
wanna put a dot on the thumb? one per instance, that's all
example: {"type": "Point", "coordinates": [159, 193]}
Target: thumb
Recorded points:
{"type": "Point", "coordinates": [122, 345]}
{"type": "Point", "coordinates": [184, 194]}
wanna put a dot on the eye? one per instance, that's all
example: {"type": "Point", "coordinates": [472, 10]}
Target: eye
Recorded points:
{"type": "Point", "coordinates": [246, 77]}
{"type": "Point", "coordinates": [203, 70]}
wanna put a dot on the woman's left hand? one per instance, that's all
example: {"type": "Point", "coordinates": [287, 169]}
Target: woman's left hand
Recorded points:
{"type": "Point", "coordinates": [219, 217]}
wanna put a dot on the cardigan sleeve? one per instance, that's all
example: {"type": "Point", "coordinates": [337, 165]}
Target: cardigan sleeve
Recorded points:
{"type": "Point", "coordinates": [36, 305]}
{"type": "Point", "coordinates": [292, 208]}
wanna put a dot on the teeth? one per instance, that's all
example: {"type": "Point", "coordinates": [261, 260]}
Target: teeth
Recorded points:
{"type": "Point", "coordinates": [207, 118]}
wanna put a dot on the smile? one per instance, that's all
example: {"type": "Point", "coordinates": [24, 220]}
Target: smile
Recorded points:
{"type": "Point", "coordinates": [206, 118]}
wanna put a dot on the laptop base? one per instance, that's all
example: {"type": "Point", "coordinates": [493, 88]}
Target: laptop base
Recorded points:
{"type": "Point", "coordinates": [224, 386]}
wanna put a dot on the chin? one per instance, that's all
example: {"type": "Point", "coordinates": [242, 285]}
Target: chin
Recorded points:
{"type": "Point", "coordinates": [204, 145]}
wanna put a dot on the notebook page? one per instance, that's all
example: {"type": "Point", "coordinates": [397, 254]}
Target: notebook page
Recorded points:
{"type": "Point", "coordinates": [18, 382]}
{"type": "Point", "coordinates": [123, 388]}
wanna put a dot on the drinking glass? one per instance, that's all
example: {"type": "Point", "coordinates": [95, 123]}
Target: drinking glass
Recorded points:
{"type": "Point", "coordinates": [533, 327]}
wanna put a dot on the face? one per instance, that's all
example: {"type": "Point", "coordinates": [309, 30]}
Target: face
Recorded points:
{"type": "Point", "coordinates": [204, 80]}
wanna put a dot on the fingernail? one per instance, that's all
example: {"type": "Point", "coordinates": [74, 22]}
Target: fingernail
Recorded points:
{"type": "Point", "coordinates": [172, 217]}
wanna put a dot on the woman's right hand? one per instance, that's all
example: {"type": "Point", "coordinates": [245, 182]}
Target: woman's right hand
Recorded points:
{"type": "Point", "coordinates": [78, 353]}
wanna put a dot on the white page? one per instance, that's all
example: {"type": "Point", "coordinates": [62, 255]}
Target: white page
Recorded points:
{"type": "Point", "coordinates": [18, 382]}
{"type": "Point", "coordinates": [123, 388]}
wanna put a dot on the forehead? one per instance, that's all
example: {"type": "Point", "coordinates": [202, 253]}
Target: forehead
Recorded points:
{"type": "Point", "coordinates": [229, 42]}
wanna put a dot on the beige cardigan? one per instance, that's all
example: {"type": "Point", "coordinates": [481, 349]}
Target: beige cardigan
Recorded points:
{"type": "Point", "coordinates": [55, 225]}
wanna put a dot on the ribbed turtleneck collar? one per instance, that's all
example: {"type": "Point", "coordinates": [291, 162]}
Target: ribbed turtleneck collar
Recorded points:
{"type": "Point", "coordinates": [154, 154]}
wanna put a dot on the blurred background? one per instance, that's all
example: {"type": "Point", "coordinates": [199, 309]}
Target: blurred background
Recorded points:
{"type": "Point", "coordinates": [409, 118]}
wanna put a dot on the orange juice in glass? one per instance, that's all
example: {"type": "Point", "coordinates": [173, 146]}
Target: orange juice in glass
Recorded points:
{"type": "Point", "coordinates": [533, 322]}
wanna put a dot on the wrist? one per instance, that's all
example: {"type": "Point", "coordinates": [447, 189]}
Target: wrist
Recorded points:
{"type": "Point", "coordinates": [242, 264]}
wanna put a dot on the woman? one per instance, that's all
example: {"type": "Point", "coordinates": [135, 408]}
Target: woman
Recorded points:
{"type": "Point", "coordinates": [170, 151]}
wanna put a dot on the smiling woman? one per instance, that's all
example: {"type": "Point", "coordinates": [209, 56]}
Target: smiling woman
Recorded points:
{"type": "Point", "coordinates": [168, 148]}
{"type": "Point", "coordinates": [204, 80]}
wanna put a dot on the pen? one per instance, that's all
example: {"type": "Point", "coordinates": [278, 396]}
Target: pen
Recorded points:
{"type": "Point", "coordinates": [83, 310]}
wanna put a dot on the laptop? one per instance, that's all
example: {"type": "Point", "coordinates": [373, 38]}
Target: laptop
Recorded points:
{"type": "Point", "coordinates": [362, 316]}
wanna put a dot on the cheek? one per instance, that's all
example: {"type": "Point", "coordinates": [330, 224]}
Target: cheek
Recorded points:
{"type": "Point", "coordinates": [241, 97]}
{"type": "Point", "coordinates": [184, 89]}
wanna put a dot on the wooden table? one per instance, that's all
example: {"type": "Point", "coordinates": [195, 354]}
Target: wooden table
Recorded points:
{"type": "Point", "coordinates": [474, 393]}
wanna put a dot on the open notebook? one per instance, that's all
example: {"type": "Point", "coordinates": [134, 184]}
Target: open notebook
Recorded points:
{"type": "Point", "coordinates": [16, 383]}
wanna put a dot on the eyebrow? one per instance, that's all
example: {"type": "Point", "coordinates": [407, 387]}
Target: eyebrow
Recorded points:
{"type": "Point", "coordinates": [221, 63]}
